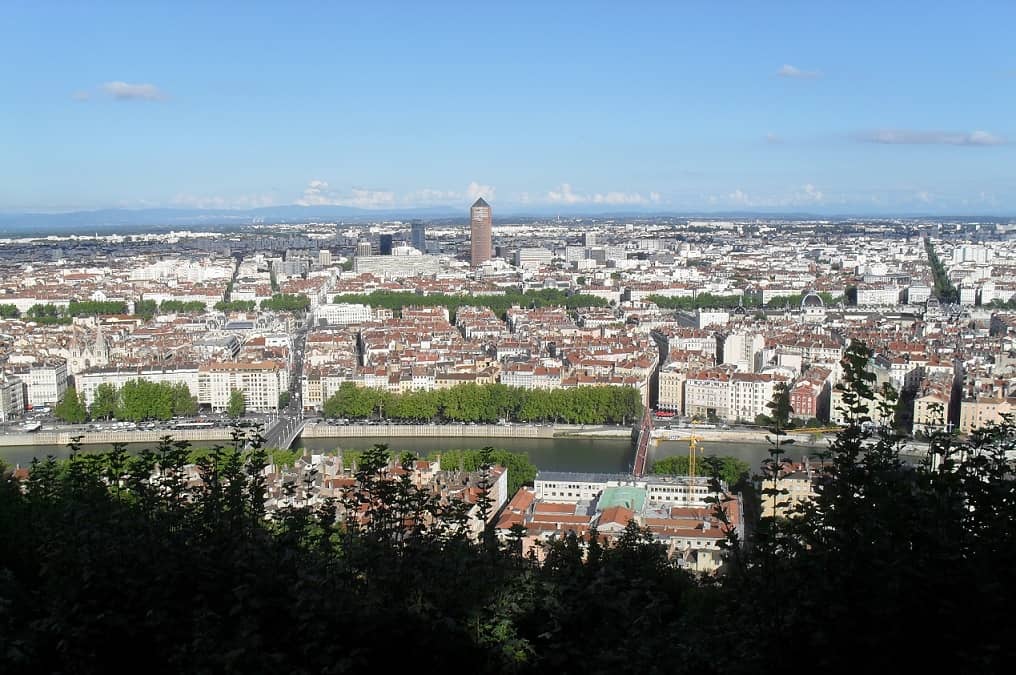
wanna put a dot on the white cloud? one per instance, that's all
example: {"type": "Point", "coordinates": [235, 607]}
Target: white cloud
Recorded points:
{"type": "Point", "coordinates": [808, 194]}
{"type": "Point", "coordinates": [430, 196]}
{"type": "Point", "coordinates": [773, 139]}
{"type": "Point", "coordinates": [805, 195]}
{"type": "Point", "coordinates": [912, 137]}
{"type": "Point", "coordinates": [369, 199]}
{"type": "Point", "coordinates": [924, 196]}
{"type": "Point", "coordinates": [787, 70]}
{"type": "Point", "coordinates": [314, 194]}
{"type": "Point", "coordinates": [617, 198]}
{"type": "Point", "coordinates": [81, 96]}
{"type": "Point", "coordinates": [124, 91]}
{"type": "Point", "coordinates": [477, 190]}
{"type": "Point", "coordinates": [739, 197]}
{"type": "Point", "coordinates": [317, 194]}
{"type": "Point", "coordinates": [566, 195]}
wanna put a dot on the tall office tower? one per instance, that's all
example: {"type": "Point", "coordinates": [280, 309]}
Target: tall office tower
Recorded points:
{"type": "Point", "coordinates": [363, 248]}
{"type": "Point", "coordinates": [386, 244]}
{"type": "Point", "coordinates": [589, 239]}
{"type": "Point", "coordinates": [480, 238]}
{"type": "Point", "coordinates": [324, 258]}
{"type": "Point", "coordinates": [419, 236]}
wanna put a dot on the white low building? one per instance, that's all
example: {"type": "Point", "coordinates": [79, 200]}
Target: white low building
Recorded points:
{"type": "Point", "coordinates": [342, 314]}
{"type": "Point", "coordinates": [46, 383]}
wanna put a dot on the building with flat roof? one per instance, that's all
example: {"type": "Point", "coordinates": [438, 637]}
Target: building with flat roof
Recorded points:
{"type": "Point", "coordinates": [418, 235]}
{"type": "Point", "coordinates": [480, 236]}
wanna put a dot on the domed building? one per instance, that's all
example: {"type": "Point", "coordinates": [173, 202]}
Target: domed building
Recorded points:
{"type": "Point", "coordinates": [813, 308]}
{"type": "Point", "coordinates": [812, 299]}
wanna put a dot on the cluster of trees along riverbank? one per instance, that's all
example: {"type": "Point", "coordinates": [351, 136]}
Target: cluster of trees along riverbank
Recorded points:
{"type": "Point", "coordinates": [890, 563]}
{"type": "Point", "coordinates": [136, 401]}
{"type": "Point", "coordinates": [489, 403]}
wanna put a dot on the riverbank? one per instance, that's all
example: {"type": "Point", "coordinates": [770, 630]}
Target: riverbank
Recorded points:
{"type": "Point", "coordinates": [427, 431]}
{"type": "Point", "coordinates": [110, 437]}
{"type": "Point", "coordinates": [50, 438]}
{"type": "Point", "coordinates": [736, 435]}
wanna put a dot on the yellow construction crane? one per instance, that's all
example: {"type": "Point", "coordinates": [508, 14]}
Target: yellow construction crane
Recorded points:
{"type": "Point", "coordinates": [693, 450]}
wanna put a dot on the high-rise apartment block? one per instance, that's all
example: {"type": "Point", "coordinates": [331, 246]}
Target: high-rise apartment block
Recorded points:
{"type": "Point", "coordinates": [419, 235]}
{"type": "Point", "coordinates": [480, 238]}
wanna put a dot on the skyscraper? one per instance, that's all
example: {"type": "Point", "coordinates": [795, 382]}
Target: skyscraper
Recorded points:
{"type": "Point", "coordinates": [363, 248]}
{"type": "Point", "coordinates": [479, 232]}
{"type": "Point", "coordinates": [386, 244]}
{"type": "Point", "coordinates": [419, 236]}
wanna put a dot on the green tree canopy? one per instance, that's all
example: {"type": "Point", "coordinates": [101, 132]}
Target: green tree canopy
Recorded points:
{"type": "Point", "coordinates": [146, 308]}
{"type": "Point", "coordinates": [71, 407]}
{"type": "Point", "coordinates": [237, 404]}
{"type": "Point", "coordinates": [730, 469]}
{"type": "Point", "coordinates": [106, 402]}
{"type": "Point", "coordinates": [236, 306]}
{"type": "Point", "coordinates": [96, 308]}
{"type": "Point", "coordinates": [286, 303]}
{"type": "Point", "coordinates": [489, 403]}
{"type": "Point", "coordinates": [499, 304]}
{"type": "Point", "coordinates": [183, 306]}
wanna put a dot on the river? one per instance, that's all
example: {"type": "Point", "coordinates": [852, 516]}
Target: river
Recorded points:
{"type": "Point", "coordinates": [599, 455]}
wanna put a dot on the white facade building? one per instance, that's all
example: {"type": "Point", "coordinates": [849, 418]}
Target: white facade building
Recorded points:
{"type": "Point", "coordinates": [343, 314]}
{"type": "Point", "coordinates": [261, 383]}
{"type": "Point", "coordinates": [46, 383]}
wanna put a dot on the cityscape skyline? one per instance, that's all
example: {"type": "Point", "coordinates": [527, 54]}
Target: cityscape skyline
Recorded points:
{"type": "Point", "coordinates": [675, 117]}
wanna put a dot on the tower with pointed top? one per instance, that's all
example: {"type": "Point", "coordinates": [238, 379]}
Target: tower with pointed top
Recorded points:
{"type": "Point", "coordinates": [480, 237]}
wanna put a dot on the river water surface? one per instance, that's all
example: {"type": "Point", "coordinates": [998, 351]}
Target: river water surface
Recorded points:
{"type": "Point", "coordinates": [600, 455]}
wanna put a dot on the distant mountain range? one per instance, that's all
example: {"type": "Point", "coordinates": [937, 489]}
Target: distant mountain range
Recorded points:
{"type": "Point", "coordinates": [112, 220]}
{"type": "Point", "coordinates": [107, 219]}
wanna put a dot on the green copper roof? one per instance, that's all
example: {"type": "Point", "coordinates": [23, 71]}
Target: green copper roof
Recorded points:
{"type": "Point", "coordinates": [629, 497]}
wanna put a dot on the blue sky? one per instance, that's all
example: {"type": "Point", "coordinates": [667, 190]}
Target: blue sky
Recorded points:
{"type": "Point", "coordinates": [662, 106]}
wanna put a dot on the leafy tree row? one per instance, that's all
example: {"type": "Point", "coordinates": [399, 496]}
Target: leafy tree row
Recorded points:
{"type": "Point", "coordinates": [136, 401]}
{"type": "Point", "coordinates": [95, 307]}
{"type": "Point", "coordinates": [488, 404]}
{"type": "Point", "coordinates": [50, 313]}
{"type": "Point", "coordinates": [794, 301]}
{"type": "Point", "coordinates": [704, 301]}
{"type": "Point", "coordinates": [47, 314]}
{"type": "Point", "coordinates": [183, 306]}
{"type": "Point", "coordinates": [146, 308]}
{"type": "Point", "coordinates": [499, 304]}
{"type": "Point", "coordinates": [521, 471]}
{"type": "Point", "coordinates": [730, 469]}
{"type": "Point", "coordinates": [236, 306]}
{"type": "Point", "coordinates": [1003, 304]}
{"type": "Point", "coordinates": [286, 303]}
{"type": "Point", "coordinates": [71, 407]}
{"type": "Point", "coordinates": [9, 311]}
{"type": "Point", "coordinates": [708, 300]}
{"type": "Point", "coordinates": [944, 289]}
